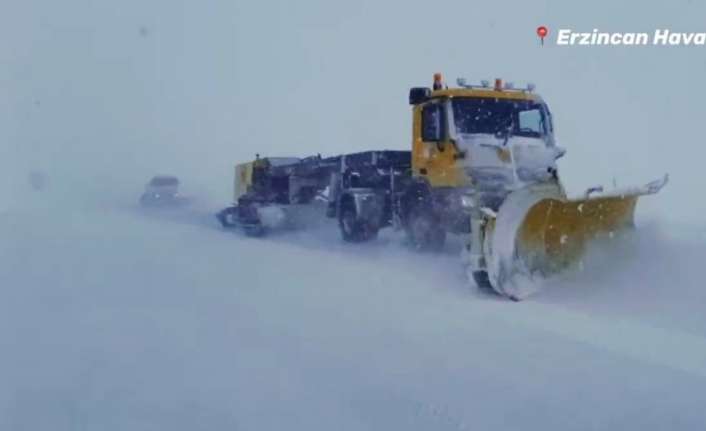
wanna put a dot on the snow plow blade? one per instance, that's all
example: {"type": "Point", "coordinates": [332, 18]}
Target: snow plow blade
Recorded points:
{"type": "Point", "coordinates": [537, 232]}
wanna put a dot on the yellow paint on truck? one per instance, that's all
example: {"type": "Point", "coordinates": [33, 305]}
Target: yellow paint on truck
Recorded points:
{"type": "Point", "coordinates": [242, 179]}
{"type": "Point", "coordinates": [555, 233]}
{"type": "Point", "coordinates": [437, 162]}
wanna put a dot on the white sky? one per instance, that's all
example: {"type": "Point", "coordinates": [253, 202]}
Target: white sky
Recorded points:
{"type": "Point", "coordinates": [109, 93]}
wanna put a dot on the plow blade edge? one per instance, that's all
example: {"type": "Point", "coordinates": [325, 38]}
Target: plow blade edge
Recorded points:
{"type": "Point", "coordinates": [537, 232]}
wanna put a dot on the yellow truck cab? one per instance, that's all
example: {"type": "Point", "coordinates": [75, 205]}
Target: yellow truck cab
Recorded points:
{"type": "Point", "coordinates": [446, 118]}
{"type": "Point", "coordinates": [471, 146]}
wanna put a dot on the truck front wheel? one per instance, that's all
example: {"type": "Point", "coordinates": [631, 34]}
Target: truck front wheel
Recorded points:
{"type": "Point", "coordinates": [353, 229]}
{"type": "Point", "coordinates": [481, 279]}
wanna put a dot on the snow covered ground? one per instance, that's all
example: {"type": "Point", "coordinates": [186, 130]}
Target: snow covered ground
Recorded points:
{"type": "Point", "coordinates": [115, 318]}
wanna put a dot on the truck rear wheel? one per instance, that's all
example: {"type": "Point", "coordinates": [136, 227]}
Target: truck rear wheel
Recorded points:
{"type": "Point", "coordinates": [424, 230]}
{"type": "Point", "coordinates": [353, 229]}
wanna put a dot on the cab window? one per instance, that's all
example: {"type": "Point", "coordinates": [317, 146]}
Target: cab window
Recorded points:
{"type": "Point", "coordinates": [432, 122]}
{"type": "Point", "coordinates": [530, 122]}
{"type": "Point", "coordinates": [499, 116]}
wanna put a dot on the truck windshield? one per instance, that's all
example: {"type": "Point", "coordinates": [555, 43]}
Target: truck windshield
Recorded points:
{"type": "Point", "coordinates": [499, 116]}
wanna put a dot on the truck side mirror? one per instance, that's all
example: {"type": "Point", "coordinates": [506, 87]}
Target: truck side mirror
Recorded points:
{"type": "Point", "coordinates": [419, 95]}
{"type": "Point", "coordinates": [559, 152]}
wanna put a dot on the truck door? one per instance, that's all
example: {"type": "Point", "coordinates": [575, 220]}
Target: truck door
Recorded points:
{"type": "Point", "coordinates": [434, 154]}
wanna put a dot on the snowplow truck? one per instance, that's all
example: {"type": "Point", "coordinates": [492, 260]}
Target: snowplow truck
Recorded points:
{"type": "Point", "coordinates": [493, 151]}
{"type": "Point", "coordinates": [483, 164]}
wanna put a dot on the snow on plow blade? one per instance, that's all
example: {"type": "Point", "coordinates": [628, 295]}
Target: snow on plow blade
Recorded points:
{"type": "Point", "coordinates": [537, 232]}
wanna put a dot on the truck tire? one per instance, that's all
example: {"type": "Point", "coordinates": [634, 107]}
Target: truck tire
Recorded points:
{"type": "Point", "coordinates": [424, 230]}
{"type": "Point", "coordinates": [483, 283]}
{"type": "Point", "coordinates": [481, 279]}
{"type": "Point", "coordinates": [225, 217]}
{"type": "Point", "coordinates": [352, 228]}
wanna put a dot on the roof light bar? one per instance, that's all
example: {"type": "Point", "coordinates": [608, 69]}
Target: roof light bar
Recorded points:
{"type": "Point", "coordinates": [499, 85]}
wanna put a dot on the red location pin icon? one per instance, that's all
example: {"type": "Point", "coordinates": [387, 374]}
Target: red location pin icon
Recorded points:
{"type": "Point", "coordinates": [542, 32]}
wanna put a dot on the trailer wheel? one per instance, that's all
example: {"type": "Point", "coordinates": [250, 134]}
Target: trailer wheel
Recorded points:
{"type": "Point", "coordinates": [353, 229]}
{"type": "Point", "coordinates": [424, 230]}
{"type": "Point", "coordinates": [226, 217]}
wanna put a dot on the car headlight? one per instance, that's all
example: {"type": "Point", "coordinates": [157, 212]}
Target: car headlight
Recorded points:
{"type": "Point", "coordinates": [467, 201]}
